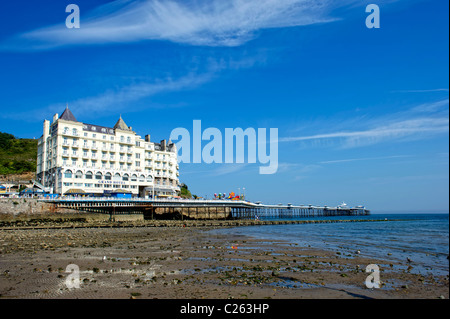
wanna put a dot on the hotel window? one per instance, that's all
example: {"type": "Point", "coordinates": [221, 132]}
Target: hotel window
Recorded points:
{"type": "Point", "coordinates": [88, 175]}
{"type": "Point", "coordinates": [79, 174]}
{"type": "Point", "coordinates": [117, 177]}
{"type": "Point", "coordinates": [138, 155]}
{"type": "Point", "coordinates": [88, 185]}
{"type": "Point", "coordinates": [74, 132]}
{"type": "Point", "coordinates": [128, 139]}
{"type": "Point", "coordinates": [138, 164]}
{"type": "Point", "coordinates": [98, 176]}
{"type": "Point", "coordinates": [74, 163]}
{"type": "Point", "coordinates": [68, 174]}
{"type": "Point", "coordinates": [125, 177]}
{"type": "Point", "coordinates": [85, 134]}
{"type": "Point", "coordinates": [107, 176]}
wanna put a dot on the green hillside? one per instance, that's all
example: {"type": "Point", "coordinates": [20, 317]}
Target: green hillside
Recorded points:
{"type": "Point", "coordinates": [17, 155]}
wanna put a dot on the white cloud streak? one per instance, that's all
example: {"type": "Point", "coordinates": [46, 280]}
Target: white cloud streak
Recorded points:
{"type": "Point", "coordinates": [432, 120]}
{"type": "Point", "coordinates": [202, 22]}
{"type": "Point", "coordinates": [364, 159]}
{"type": "Point", "coordinates": [421, 91]}
{"type": "Point", "coordinates": [117, 100]}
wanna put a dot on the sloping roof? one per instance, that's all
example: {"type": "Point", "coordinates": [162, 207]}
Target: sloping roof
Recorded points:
{"type": "Point", "coordinates": [120, 191]}
{"type": "Point", "coordinates": [75, 191]}
{"type": "Point", "coordinates": [32, 190]}
{"type": "Point", "coordinates": [68, 116]}
{"type": "Point", "coordinates": [121, 125]}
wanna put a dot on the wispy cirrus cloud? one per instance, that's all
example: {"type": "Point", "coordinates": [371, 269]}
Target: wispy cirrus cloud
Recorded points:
{"type": "Point", "coordinates": [421, 91]}
{"type": "Point", "coordinates": [202, 22]}
{"type": "Point", "coordinates": [364, 159]}
{"type": "Point", "coordinates": [119, 99]}
{"type": "Point", "coordinates": [419, 122]}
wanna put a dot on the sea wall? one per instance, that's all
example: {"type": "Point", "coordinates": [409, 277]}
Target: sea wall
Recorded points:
{"type": "Point", "coordinates": [31, 208]}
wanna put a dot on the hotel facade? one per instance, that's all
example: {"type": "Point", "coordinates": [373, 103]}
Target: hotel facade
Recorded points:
{"type": "Point", "coordinates": [78, 158]}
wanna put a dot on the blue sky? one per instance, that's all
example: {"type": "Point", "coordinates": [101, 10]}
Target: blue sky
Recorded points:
{"type": "Point", "coordinates": [362, 113]}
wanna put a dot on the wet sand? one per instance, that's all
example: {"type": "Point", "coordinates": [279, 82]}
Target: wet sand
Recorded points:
{"type": "Point", "coordinates": [192, 263]}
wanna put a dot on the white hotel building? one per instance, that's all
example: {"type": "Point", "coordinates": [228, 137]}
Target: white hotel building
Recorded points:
{"type": "Point", "coordinates": [75, 158]}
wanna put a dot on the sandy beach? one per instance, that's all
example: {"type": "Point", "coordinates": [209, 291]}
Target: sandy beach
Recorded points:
{"type": "Point", "coordinates": [192, 263]}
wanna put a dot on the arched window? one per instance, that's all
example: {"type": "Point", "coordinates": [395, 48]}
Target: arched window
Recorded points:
{"type": "Point", "coordinates": [142, 178]}
{"type": "Point", "coordinates": [89, 175]}
{"type": "Point", "coordinates": [134, 178]}
{"type": "Point", "coordinates": [108, 176]}
{"type": "Point", "coordinates": [149, 178]}
{"type": "Point", "coordinates": [125, 177]}
{"type": "Point", "coordinates": [98, 175]}
{"type": "Point", "coordinates": [79, 174]}
{"type": "Point", "coordinates": [117, 177]}
{"type": "Point", "coordinates": [68, 174]}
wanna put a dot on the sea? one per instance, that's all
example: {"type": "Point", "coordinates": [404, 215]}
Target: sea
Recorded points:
{"type": "Point", "coordinates": [417, 240]}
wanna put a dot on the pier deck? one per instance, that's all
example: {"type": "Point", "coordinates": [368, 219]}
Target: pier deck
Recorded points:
{"type": "Point", "coordinates": [200, 209]}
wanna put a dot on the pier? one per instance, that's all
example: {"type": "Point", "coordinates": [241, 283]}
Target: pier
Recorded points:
{"type": "Point", "coordinates": [176, 209]}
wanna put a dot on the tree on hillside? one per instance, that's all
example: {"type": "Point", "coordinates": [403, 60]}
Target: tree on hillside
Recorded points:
{"type": "Point", "coordinates": [5, 140]}
{"type": "Point", "coordinates": [185, 193]}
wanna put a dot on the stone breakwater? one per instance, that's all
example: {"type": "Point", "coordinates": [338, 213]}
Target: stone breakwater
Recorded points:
{"type": "Point", "coordinates": [83, 222]}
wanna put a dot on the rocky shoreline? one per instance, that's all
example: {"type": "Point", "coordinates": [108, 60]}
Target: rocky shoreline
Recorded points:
{"type": "Point", "coordinates": [191, 262]}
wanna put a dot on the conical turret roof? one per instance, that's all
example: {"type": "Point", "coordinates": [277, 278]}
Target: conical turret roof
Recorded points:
{"type": "Point", "coordinates": [67, 115]}
{"type": "Point", "coordinates": [121, 125]}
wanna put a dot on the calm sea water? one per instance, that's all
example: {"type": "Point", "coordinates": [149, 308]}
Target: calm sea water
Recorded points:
{"type": "Point", "coordinates": [423, 238]}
